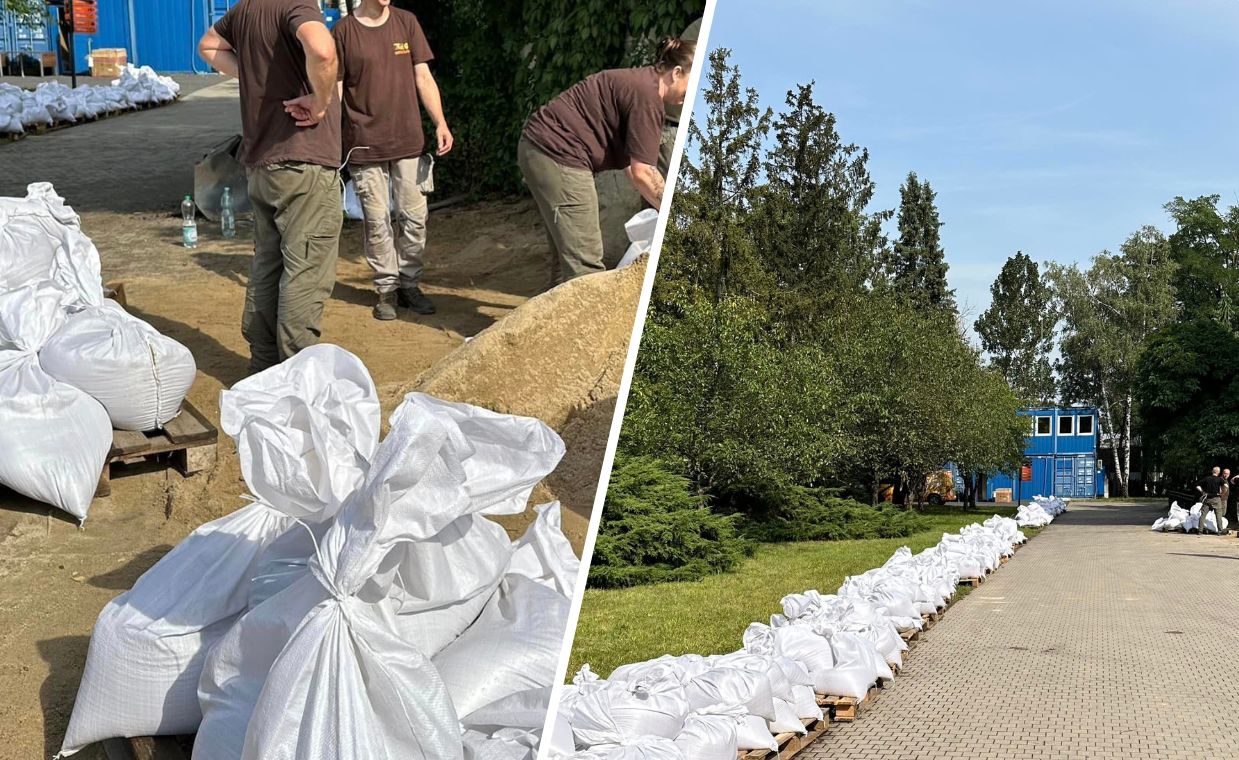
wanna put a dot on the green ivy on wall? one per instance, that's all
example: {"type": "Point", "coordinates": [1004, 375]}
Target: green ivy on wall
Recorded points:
{"type": "Point", "coordinates": [498, 61]}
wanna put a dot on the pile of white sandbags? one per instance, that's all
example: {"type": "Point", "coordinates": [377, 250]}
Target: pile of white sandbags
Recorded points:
{"type": "Point", "coordinates": [363, 605]}
{"type": "Point", "coordinates": [73, 366]}
{"type": "Point", "coordinates": [1182, 520]}
{"type": "Point", "coordinates": [694, 707]}
{"type": "Point", "coordinates": [1041, 511]}
{"type": "Point", "coordinates": [53, 102]}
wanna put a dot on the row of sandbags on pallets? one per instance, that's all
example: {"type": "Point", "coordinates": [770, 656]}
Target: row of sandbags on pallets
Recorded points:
{"type": "Point", "coordinates": [694, 707]}
{"type": "Point", "coordinates": [55, 103]}
{"type": "Point", "coordinates": [1180, 520]}
{"type": "Point", "coordinates": [73, 365]}
{"type": "Point", "coordinates": [1040, 512]}
{"type": "Point", "coordinates": [363, 606]}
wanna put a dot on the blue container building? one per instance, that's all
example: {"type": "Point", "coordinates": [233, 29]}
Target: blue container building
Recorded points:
{"type": "Point", "coordinates": [1062, 452]}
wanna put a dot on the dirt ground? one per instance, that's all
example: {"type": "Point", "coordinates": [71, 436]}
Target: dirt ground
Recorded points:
{"type": "Point", "coordinates": [126, 176]}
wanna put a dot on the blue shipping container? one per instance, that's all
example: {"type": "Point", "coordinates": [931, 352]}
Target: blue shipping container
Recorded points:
{"type": "Point", "coordinates": [1062, 451]}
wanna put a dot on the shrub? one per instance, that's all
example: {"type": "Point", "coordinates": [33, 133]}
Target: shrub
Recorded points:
{"type": "Point", "coordinates": [656, 528]}
{"type": "Point", "coordinates": [810, 514]}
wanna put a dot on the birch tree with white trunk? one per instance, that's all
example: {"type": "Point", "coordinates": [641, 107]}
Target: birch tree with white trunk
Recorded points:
{"type": "Point", "coordinates": [1108, 312]}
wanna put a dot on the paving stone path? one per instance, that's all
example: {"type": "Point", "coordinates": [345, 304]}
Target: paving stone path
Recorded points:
{"type": "Point", "coordinates": [1100, 639]}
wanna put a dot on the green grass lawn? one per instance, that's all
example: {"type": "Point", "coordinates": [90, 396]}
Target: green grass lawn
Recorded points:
{"type": "Point", "coordinates": [619, 626]}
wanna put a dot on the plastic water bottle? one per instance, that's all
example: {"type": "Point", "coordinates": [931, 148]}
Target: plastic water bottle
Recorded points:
{"type": "Point", "coordinates": [227, 219]}
{"type": "Point", "coordinates": [189, 227]}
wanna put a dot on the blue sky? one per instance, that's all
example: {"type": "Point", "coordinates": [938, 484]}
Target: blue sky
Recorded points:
{"type": "Point", "coordinates": [1056, 128]}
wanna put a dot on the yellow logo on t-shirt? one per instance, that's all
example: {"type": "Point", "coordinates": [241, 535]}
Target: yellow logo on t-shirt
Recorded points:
{"type": "Point", "coordinates": [400, 48]}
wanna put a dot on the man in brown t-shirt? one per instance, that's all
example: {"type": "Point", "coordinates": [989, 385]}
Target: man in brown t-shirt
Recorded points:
{"type": "Point", "coordinates": [384, 68]}
{"type": "Point", "coordinates": [611, 120]}
{"type": "Point", "coordinates": [284, 57]}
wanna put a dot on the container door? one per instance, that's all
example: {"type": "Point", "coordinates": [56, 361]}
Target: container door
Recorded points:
{"type": "Point", "coordinates": [1064, 477]}
{"type": "Point", "coordinates": [1086, 476]}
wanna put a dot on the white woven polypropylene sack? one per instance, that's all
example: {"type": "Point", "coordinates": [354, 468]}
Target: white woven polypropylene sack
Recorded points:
{"type": "Point", "coordinates": [41, 239]}
{"type": "Point", "coordinates": [55, 438]}
{"type": "Point", "coordinates": [304, 429]}
{"type": "Point", "coordinates": [711, 733]}
{"type": "Point", "coordinates": [623, 710]}
{"type": "Point", "coordinates": [369, 693]}
{"type": "Point", "coordinates": [519, 635]}
{"type": "Point", "coordinates": [149, 643]}
{"type": "Point", "coordinates": [139, 375]}
{"type": "Point", "coordinates": [732, 686]}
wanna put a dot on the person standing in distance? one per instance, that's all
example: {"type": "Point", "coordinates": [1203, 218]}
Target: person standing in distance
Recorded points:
{"type": "Point", "coordinates": [611, 120]}
{"type": "Point", "coordinates": [1210, 488]}
{"type": "Point", "coordinates": [384, 73]}
{"type": "Point", "coordinates": [284, 57]}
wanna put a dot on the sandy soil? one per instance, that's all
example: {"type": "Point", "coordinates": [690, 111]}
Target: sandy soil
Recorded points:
{"type": "Point", "coordinates": [125, 176]}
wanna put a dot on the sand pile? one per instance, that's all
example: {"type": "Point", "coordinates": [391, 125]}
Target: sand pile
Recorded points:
{"type": "Point", "coordinates": [558, 357]}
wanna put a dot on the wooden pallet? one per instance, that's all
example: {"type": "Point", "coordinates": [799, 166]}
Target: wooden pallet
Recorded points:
{"type": "Point", "coordinates": [973, 582]}
{"type": "Point", "coordinates": [847, 709]}
{"type": "Point", "coordinates": [145, 748]}
{"type": "Point", "coordinates": [189, 440]}
{"type": "Point", "coordinates": [789, 743]}
{"type": "Point", "coordinates": [910, 636]}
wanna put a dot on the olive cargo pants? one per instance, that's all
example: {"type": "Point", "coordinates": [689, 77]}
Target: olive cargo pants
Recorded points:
{"type": "Point", "coordinates": [568, 203]}
{"type": "Point", "coordinates": [297, 219]}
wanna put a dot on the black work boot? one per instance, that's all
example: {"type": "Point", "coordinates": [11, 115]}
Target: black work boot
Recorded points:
{"type": "Point", "coordinates": [413, 298]}
{"type": "Point", "coordinates": [385, 309]}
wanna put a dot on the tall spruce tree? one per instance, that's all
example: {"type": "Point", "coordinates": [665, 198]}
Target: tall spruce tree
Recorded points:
{"type": "Point", "coordinates": [817, 239]}
{"type": "Point", "coordinates": [714, 253]}
{"type": "Point", "coordinates": [1017, 330]}
{"type": "Point", "coordinates": [917, 264]}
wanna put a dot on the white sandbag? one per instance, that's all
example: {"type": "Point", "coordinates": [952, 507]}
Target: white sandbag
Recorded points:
{"type": "Point", "coordinates": [377, 696]}
{"type": "Point", "coordinates": [183, 605]}
{"type": "Point", "coordinates": [55, 438]}
{"type": "Point", "coordinates": [644, 748]}
{"type": "Point", "coordinates": [149, 643]}
{"type": "Point", "coordinates": [753, 733]}
{"type": "Point", "coordinates": [619, 711]}
{"type": "Point", "coordinates": [41, 239]}
{"type": "Point", "coordinates": [504, 744]}
{"type": "Point", "coordinates": [139, 375]}
{"type": "Point", "coordinates": [730, 686]}
{"type": "Point", "coordinates": [1209, 523]}
{"type": "Point", "coordinates": [711, 733]}
{"type": "Point", "coordinates": [640, 229]}
{"type": "Point", "coordinates": [508, 729]}
{"type": "Point", "coordinates": [519, 635]}
{"type": "Point", "coordinates": [304, 429]}
{"type": "Point", "coordinates": [681, 669]}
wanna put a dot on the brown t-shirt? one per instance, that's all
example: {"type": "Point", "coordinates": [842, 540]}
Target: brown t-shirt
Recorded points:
{"type": "Point", "coordinates": [602, 123]}
{"type": "Point", "coordinates": [380, 91]}
{"type": "Point", "coordinates": [271, 68]}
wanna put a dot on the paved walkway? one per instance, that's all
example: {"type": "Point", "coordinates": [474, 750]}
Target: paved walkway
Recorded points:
{"type": "Point", "coordinates": [1100, 639]}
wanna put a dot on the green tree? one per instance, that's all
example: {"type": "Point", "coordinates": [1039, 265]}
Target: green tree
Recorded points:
{"type": "Point", "coordinates": [1017, 330]}
{"type": "Point", "coordinates": [1205, 246]}
{"type": "Point", "coordinates": [1109, 313]}
{"type": "Point", "coordinates": [917, 264]}
{"type": "Point", "coordinates": [24, 9]}
{"type": "Point", "coordinates": [818, 240]}
{"type": "Point", "coordinates": [714, 253]}
{"type": "Point", "coordinates": [1188, 386]}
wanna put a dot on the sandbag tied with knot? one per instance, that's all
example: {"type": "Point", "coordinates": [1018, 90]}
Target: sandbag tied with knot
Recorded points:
{"type": "Point", "coordinates": [319, 670]}
{"type": "Point", "coordinates": [151, 641]}
{"type": "Point", "coordinates": [55, 438]}
{"type": "Point", "coordinates": [305, 430]}
{"type": "Point", "coordinates": [41, 239]}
